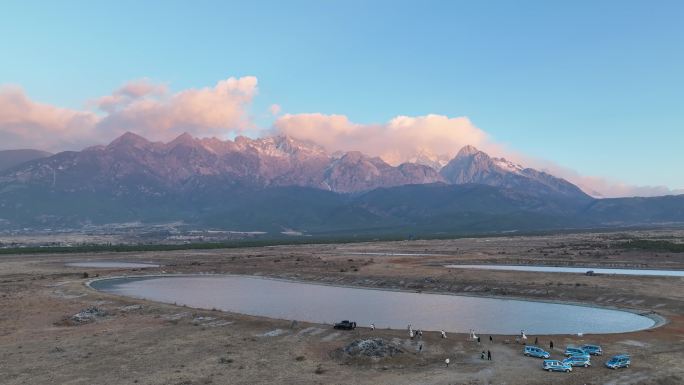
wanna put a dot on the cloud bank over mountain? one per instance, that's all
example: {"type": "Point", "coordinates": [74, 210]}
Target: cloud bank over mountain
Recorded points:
{"type": "Point", "coordinates": [402, 139]}
{"type": "Point", "coordinates": [142, 106]}
{"type": "Point", "coordinates": [223, 110]}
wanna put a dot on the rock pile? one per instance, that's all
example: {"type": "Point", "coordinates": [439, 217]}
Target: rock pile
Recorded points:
{"type": "Point", "coordinates": [374, 347]}
{"type": "Point", "coordinates": [88, 315]}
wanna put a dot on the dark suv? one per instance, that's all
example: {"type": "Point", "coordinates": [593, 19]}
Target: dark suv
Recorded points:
{"type": "Point", "coordinates": [346, 325]}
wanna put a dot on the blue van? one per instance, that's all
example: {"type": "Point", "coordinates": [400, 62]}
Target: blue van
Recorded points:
{"type": "Point", "coordinates": [556, 366]}
{"type": "Point", "coordinates": [594, 350]}
{"type": "Point", "coordinates": [574, 351]}
{"type": "Point", "coordinates": [619, 361]}
{"type": "Point", "coordinates": [533, 351]}
{"type": "Point", "coordinates": [578, 361]}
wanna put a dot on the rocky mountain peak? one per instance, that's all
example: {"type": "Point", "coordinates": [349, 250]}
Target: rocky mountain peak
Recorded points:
{"type": "Point", "coordinates": [129, 139]}
{"type": "Point", "coordinates": [468, 150]}
{"type": "Point", "coordinates": [132, 163]}
{"type": "Point", "coordinates": [474, 166]}
{"type": "Point", "coordinates": [183, 139]}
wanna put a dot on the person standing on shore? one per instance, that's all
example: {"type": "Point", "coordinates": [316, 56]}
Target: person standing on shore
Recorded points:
{"type": "Point", "coordinates": [489, 355]}
{"type": "Point", "coordinates": [372, 327]}
{"type": "Point", "coordinates": [551, 345]}
{"type": "Point", "coordinates": [446, 362]}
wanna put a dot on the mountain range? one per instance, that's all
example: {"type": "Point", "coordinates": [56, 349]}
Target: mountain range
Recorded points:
{"type": "Point", "coordinates": [278, 183]}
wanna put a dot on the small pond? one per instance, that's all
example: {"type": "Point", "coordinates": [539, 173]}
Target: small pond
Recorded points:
{"type": "Point", "coordinates": [579, 270]}
{"type": "Point", "coordinates": [387, 309]}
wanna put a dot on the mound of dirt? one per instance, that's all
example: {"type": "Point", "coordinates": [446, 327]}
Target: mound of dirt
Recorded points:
{"type": "Point", "coordinates": [374, 347]}
{"type": "Point", "coordinates": [88, 315]}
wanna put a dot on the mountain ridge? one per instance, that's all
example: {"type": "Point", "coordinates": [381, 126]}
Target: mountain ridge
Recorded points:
{"type": "Point", "coordinates": [276, 161]}
{"type": "Point", "coordinates": [13, 158]}
{"type": "Point", "coordinates": [279, 182]}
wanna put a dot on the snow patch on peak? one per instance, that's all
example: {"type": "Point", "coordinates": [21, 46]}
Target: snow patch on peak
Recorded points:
{"type": "Point", "coordinates": [508, 165]}
{"type": "Point", "coordinates": [467, 150]}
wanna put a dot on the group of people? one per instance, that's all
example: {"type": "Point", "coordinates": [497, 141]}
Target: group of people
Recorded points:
{"type": "Point", "coordinates": [414, 333]}
{"type": "Point", "coordinates": [489, 355]}
{"type": "Point", "coordinates": [523, 339]}
{"type": "Point", "coordinates": [471, 336]}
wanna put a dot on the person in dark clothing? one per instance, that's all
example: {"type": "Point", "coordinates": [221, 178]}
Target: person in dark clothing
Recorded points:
{"type": "Point", "coordinates": [536, 340]}
{"type": "Point", "coordinates": [482, 355]}
{"type": "Point", "coordinates": [489, 355]}
{"type": "Point", "coordinates": [478, 339]}
{"type": "Point", "coordinates": [551, 344]}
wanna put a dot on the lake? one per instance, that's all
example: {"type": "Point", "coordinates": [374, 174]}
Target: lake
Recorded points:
{"type": "Point", "coordinates": [318, 303]}
{"type": "Point", "coordinates": [579, 270]}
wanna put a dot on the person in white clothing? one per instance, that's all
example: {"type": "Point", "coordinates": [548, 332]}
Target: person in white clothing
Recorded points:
{"type": "Point", "coordinates": [446, 362]}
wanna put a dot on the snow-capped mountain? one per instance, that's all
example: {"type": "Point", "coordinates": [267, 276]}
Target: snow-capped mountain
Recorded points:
{"type": "Point", "coordinates": [280, 183]}
{"type": "Point", "coordinates": [131, 163]}
{"type": "Point", "coordinates": [474, 166]}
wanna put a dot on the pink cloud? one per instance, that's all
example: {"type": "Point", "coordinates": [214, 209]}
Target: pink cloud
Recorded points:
{"type": "Point", "coordinates": [128, 92]}
{"type": "Point", "coordinates": [141, 106]}
{"type": "Point", "coordinates": [275, 109]}
{"type": "Point", "coordinates": [153, 111]}
{"type": "Point", "coordinates": [602, 187]}
{"type": "Point", "coordinates": [28, 124]}
{"type": "Point", "coordinates": [439, 138]}
{"type": "Point", "coordinates": [402, 139]}
{"type": "Point", "coordinates": [156, 114]}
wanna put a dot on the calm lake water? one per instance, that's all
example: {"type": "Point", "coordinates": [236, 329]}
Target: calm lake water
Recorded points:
{"type": "Point", "coordinates": [112, 265]}
{"type": "Point", "coordinates": [394, 309]}
{"type": "Point", "coordinates": [580, 270]}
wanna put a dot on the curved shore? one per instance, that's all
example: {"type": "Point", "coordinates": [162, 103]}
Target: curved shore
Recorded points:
{"type": "Point", "coordinates": [658, 320]}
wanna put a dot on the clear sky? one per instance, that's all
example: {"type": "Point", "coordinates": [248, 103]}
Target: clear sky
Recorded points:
{"type": "Point", "coordinates": [595, 86]}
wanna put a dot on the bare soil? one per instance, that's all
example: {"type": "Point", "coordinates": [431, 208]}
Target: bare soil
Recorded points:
{"type": "Point", "coordinates": [142, 342]}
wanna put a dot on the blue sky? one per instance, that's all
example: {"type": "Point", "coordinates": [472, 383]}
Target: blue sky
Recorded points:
{"type": "Point", "coordinates": [595, 86]}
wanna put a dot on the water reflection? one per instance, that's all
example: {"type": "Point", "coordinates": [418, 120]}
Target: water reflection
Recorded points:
{"type": "Point", "coordinates": [327, 304]}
